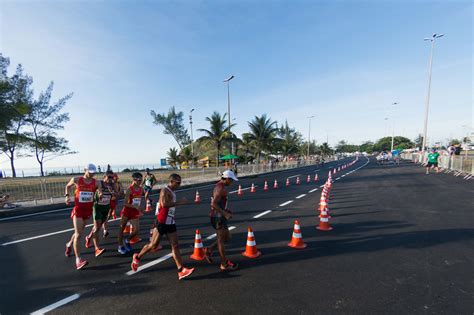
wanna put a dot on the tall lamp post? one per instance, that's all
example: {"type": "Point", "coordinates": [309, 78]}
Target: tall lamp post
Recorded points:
{"type": "Point", "coordinates": [309, 133]}
{"type": "Point", "coordinates": [228, 108]}
{"type": "Point", "coordinates": [192, 140]}
{"type": "Point", "coordinates": [427, 104]}
{"type": "Point", "coordinates": [393, 125]}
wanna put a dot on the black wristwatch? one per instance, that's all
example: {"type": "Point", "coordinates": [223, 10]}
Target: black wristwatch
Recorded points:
{"type": "Point", "coordinates": [66, 195]}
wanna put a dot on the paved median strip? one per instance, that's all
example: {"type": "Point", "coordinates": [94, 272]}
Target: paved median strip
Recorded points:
{"type": "Point", "coordinates": [54, 306]}
{"type": "Point", "coordinates": [262, 214]}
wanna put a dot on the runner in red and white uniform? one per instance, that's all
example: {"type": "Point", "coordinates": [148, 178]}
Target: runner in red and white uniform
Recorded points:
{"type": "Point", "coordinates": [85, 189]}
{"type": "Point", "coordinates": [131, 212]}
{"type": "Point", "coordinates": [166, 225]}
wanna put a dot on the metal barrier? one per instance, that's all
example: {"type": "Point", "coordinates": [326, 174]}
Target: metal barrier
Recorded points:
{"type": "Point", "coordinates": [459, 164]}
{"type": "Point", "coordinates": [34, 191]}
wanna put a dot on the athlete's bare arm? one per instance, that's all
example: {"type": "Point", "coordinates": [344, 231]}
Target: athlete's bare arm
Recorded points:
{"type": "Point", "coordinates": [72, 182]}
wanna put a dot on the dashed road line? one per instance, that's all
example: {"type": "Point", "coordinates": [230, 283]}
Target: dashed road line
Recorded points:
{"type": "Point", "coordinates": [234, 191]}
{"type": "Point", "coordinates": [210, 237]}
{"type": "Point", "coordinates": [312, 190]}
{"type": "Point", "coordinates": [301, 196]}
{"type": "Point", "coordinates": [294, 176]}
{"type": "Point", "coordinates": [59, 303]}
{"type": "Point", "coordinates": [286, 203]}
{"type": "Point", "coordinates": [262, 214]}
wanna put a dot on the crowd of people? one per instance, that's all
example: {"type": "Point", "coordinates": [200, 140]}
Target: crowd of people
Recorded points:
{"type": "Point", "coordinates": [98, 199]}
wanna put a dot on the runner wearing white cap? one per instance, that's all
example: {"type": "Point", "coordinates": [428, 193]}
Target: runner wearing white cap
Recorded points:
{"type": "Point", "coordinates": [85, 189]}
{"type": "Point", "coordinates": [219, 216]}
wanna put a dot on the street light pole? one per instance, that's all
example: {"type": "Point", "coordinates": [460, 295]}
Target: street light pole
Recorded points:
{"type": "Point", "coordinates": [309, 133]}
{"type": "Point", "coordinates": [228, 108]}
{"type": "Point", "coordinates": [427, 104]}
{"type": "Point", "coordinates": [192, 140]}
{"type": "Point", "coordinates": [393, 125]}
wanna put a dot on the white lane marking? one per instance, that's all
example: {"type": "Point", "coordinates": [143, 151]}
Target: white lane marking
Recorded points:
{"type": "Point", "coordinates": [234, 191]}
{"type": "Point", "coordinates": [286, 203]}
{"type": "Point", "coordinates": [294, 176]}
{"type": "Point", "coordinates": [47, 234]}
{"type": "Point", "coordinates": [313, 190]}
{"type": "Point", "coordinates": [262, 214]}
{"type": "Point", "coordinates": [150, 264]}
{"type": "Point", "coordinates": [301, 196]}
{"type": "Point", "coordinates": [210, 237]}
{"type": "Point", "coordinates": [321, 186]}
{"type": "Point", "coordinates": [338, 178]}
{"type": "Point", "coordinates": [53, 306]}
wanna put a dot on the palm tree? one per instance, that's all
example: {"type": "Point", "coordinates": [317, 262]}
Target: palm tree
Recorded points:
{"type": "Point", "coordinates": [173, 157]}
{"type": "Point", "coordinates": [325, 149]}
{"type": "Point", "coordinates": [262, 134]}
{"type": "Point", "coordinates": [217, 133]}
{"type": "Point", "coordinates": [291, 140]}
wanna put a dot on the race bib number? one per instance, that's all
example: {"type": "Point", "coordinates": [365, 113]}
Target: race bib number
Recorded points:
{"type": "Point", "coordinates": [86, 196]}
{"type": "Point", "coordinates": [148, 183]}
{"type": "Point", "coordinates": [136, 202]}
{"type": "Point", "coordinates": [105, 200]}
{"type": "Point", "coordinates": [171, 212]}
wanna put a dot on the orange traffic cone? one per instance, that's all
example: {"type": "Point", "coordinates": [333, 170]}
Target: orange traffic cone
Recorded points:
{"type": "Point", "coordinates": [239, 192]}
{"type": "Point", "coordinates": [275, 184]}
{"type": "Point", "coordinates": [148, 205]}
{"type": "Point", "coordinates": [324, 222]}
{"type": "Point", "coordinates": [298, 180]}
{"type": "Point", "coordinates": [330, 174]}
{"type": "Point", "coordinates": [265, 187]}
{"type": "Point", "coordinates": [198, 249]}
{"type": "Point", "coordinates": [252, 188]}
{"type": "Point", "coordinates": [334, 171]}
{"type": "Point", "coordinates": [197, 199]}
{"type": "Point", "coordinates": [251, 247]}
{"type": "Point", "coordinates": [136, 238]}
{"type": "Point", "coordinates": [127, 228]}
{"type": "Point", "coordinates": [297, 238]}
{"type": "Point", "coordinates": [308, 179]}
{"type": "Point", "coordinates": [287, 182]}
{"type": "Point", "coordinates": [316, 177]}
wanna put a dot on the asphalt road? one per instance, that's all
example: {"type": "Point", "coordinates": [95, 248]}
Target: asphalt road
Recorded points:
{"type": "Point", "coordinates": [402, 244]}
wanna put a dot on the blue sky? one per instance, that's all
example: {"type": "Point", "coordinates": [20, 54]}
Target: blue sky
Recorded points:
{"type": "Point", "coordinates": [343, 61]}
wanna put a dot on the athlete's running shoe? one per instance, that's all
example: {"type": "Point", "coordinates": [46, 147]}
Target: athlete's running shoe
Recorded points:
{"type": "Point", "coordinates": [128, 247]}
{"type": "Point", "coordinates": [81, 264]}
{"type": "Point", "coordinates": [135, 262]}
{"type": "Point", "coordinates": [106, 233]}
{"type": "Point", "coordinates": [208, 255]}
{"type": "Point", "coordinates": [88, 241]}
{"type": "Point", "coordinates": [99, 252]}
{"type": "Point", "coordinates": [185, 272]}
{"type": "Point", "coordinates": [229, 266]}
{"type": "Point", "coordinates": [122, 250]}
{"type": "Point", "coordinates": [68, 251]}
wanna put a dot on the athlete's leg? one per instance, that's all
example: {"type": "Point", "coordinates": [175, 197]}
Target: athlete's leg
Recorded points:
{"type": "Point", "coordinates": [173, 239]}
{"type": "Point", "coordinates": [222, 237]}
{"type": "Point", "coordinates": [135, 228]}
{"type": "Point", "coordinates": [95, 232]}
{"type": "Point", "coordinates": [153, 244]}
{"type": "Point", "coordinates": [123, 224]}
{"type": "Point", "coordinates": [79, 224]}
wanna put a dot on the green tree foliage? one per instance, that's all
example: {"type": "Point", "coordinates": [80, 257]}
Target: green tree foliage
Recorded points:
{"type": "Point", "coordinates": [291, 140]}
{"type": "Point", "coordinates": [343, 146]}
{"type": "Point", "coordinates": [367, 146]}
{"type": "Point", "coordinates": [262, 133]}
{"type": "Point", "coordinates": [398, 143]}
{"type": "Point", "coordinates": [173, 157]}
{"type": "Point", "coordinates": [419, 141]}
{"type": "Point", "coordinates": [44, 120]}
{"type": "Point", "coordinates": [325, 149]}
{"type": "Point", "coordinates": [173, 125]}
{"type": "Point", "coordinates": [16, 96]}
{"type": "Point", "coordinates": [216, 134]}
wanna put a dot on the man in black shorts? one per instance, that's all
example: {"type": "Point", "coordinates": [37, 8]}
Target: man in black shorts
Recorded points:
{"type": "Point", "coordinates": [166, 225]}
{"type": "Point", "coordinates": [219, 215]}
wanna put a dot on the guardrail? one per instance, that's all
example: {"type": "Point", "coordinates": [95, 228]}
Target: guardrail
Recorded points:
{"type": "Point", "coordinates": [460, 164]}
{"type": "Point", "coordinates": [35, 191]}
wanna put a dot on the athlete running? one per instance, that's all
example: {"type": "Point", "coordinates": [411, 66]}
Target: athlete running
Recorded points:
{"type": "Point", "coordinates": [166, 225]}
{"type": "Point", "coordinates": [150, 181]}
{"type": "Point", "coordinates": [433, 158]}
{"type": "Point", "coordinates": [130, 212]}
{"type": "Point", "coordinates": [101, 211]}
{"type": "Point", "coordinates": [85, 189]}
{"type": "Point", "coordinates": [219, 216]}
{"type": "Point", "coordinates": [113, 203]}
